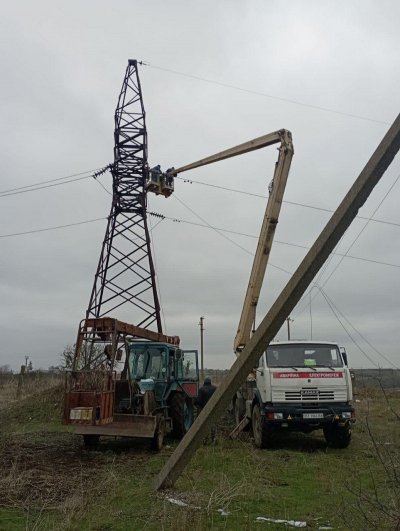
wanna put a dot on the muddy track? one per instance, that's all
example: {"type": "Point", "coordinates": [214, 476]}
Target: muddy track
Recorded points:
{"type": "Point", "coordinates": [44, 468]}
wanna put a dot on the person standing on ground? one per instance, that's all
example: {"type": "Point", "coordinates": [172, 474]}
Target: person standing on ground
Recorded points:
{"type": "Point", "coordinates": [205, 393]}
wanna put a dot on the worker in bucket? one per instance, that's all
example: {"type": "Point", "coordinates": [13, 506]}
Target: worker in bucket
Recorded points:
{"type": "Point", "coordinates": [205, 393]}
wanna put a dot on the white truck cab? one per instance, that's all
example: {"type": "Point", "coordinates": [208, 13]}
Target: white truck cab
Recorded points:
{"type": "Point", "coordinates": [299, 386]}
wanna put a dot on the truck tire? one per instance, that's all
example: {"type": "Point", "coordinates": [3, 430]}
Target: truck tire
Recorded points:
{"type": "Point", "coordinates": [158, 439]}
{"type": "Point", "coordinates": [91, 440]}
{"type": "Point", "coordinates": [181, 412]}
{"type": "Point", "coordinates": [337, 436]}
{"type": "Point", "coordinates": [262, 433]}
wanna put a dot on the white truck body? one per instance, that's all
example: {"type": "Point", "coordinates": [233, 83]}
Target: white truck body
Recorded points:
{"type": "Point", "coordinates": [299, 386]}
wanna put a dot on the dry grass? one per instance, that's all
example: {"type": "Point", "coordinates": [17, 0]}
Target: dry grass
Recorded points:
{"type": "Point", "coordinates": [52, 482]}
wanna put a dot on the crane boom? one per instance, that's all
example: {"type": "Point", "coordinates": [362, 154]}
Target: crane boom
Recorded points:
{"type": "Point", "coordinates": [265, 239]}
{"type": "Point", "coordinates": [251, 145]}
{"type": "Point", "coordinates": [277, 188]}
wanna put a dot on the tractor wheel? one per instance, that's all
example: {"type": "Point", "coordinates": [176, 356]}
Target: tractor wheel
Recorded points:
{"type": "Point", "coordinates": [158, 439]}
{"type": "Point", "coordinates": [337, 436]}
{"type": "Point", "coordinates": [91, 440]}
{"type": "Point", "coordinates": [181, 411]}
{"type": "Point", "coordinates": [262, 433]}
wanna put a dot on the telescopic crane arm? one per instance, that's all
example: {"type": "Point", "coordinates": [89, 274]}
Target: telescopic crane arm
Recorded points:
{"type": "Point", "coordinates": [265, 240]}
{"type": "Point", "coordinates": [257, 143]}
{"type": "Point", "coordinates": [276, 188]}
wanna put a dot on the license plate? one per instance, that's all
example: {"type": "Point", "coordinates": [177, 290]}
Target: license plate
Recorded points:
{"type": "Point", "coordinates": [313, 415]}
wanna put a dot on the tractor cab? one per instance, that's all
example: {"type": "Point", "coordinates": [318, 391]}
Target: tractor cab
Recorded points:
{"type": "Point", "coordinates": [163, 380]}
{"type": "Point", "coordinates": [163, 368]}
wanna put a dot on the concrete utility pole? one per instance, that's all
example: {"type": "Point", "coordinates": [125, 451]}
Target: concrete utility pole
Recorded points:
{"type": "Point", "coordinates": [288, 319]}
{"type": "Point", "coordinates": [201, 324]}
{"type": "Point", "coordinates": [284, 304]}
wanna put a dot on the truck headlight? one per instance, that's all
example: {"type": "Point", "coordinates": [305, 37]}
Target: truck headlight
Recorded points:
{"type": "Point", "coordinates": [278, 416]}
{"type": "Point", "coordinates": [346, 415]}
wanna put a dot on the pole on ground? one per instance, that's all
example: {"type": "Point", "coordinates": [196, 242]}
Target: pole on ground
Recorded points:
{"type": "Point", "coordinates": [284, 304]}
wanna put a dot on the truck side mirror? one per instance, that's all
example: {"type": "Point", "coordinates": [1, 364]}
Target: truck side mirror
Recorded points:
{"type": "Point", "coordinates": [344, 356]}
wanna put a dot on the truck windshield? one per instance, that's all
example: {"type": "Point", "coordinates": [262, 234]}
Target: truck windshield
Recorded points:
{"type": "Point", "coordinates": [303, 355]}
{"type": "Point", "coordinates": [148, 363]}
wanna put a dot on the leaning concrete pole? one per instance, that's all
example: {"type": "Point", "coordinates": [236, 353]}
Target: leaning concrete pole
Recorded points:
{"type": "Point", "coordinates": [283, 305]}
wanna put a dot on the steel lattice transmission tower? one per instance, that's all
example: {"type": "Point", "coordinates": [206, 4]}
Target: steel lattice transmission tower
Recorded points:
{"type": "Point", "coordinates": [125, 273]}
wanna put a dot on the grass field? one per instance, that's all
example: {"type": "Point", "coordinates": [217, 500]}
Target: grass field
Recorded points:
{"type": "Point", "coordinates": [49, 481]}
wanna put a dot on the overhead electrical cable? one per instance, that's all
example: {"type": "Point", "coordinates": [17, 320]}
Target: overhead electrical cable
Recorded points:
{"type": "Point", "coordinates": [361, 231]}
{"type": "Point", "coordinates": [55, 182]}
{"type": "Point", "coordinates": [224, 235]}
{"type": "Point", "coordinates": [52, 228]}
{"type": "Point", "coordinates": [207, 226]}
{"type": "Point", "coordinates": [50, 180]}
{"type": "Point", "coordinates": [294, 203]}
{"type": "Point", "coordinates": [264, 94]}
{"type": "Point", "coordinates": [280, 242]}
{"type": "Point", "coordinates": [37, 186]}
{"type": "Point", "coordinates": [350, 336]}
{"type": "Point", "coordinates": [56, 227]}
{"type": "Point", "coordinates": [288, 272]}
{"type": "Point", "coordinates": [327, 297]}
{"type": "Point", "coordinates": [351, 245]}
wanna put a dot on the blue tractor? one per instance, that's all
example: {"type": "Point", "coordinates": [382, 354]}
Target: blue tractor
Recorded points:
{"type": "Point", "coordinates": [153, 395]}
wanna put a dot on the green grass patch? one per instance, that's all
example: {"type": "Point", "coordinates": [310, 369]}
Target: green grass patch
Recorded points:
{"type": "Point", "coordinates": [50, 481]}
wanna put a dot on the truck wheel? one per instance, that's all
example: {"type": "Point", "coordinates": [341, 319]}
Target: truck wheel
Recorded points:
{"type": "Point", "coordinates": [158, 439]}
{"type": "Point", "coordinates": [262, 433]}
{"type": "Point", "coordinates": [91, 440]}
{"type": "Point", "coordinates": [181, 411]}
{"type": "Point", "coordinates": [337, 436]}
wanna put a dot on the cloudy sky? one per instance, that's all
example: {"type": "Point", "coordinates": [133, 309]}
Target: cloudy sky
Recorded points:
{"type": "Point", "coordinates": [293, 64]}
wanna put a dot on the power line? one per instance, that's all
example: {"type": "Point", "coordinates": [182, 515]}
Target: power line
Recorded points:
{"type": "Point", "coordinates": [224, 235]}
{"type": "Point", "coordinates": [348, 333]}
{"type": "Point", "coordinates": [327, 297]}
{"type": "Point", "coordinates": [52, 228]}
{"type": "Point", "coordinates": [264, 94]}
{"type": "Point", "coordinates": [294, 203]}
{"type": "Point", "coordinates": [208, 226]}
{"type": "Point", "coordinates": [54, 182]}
{"type": "Point", "coordinates": [361, 231]}
{"type": "Point", "coordinates": [329, 302]}
{"type": "Point", "coordinates": [49, 181]}
{"type": "Point", "coordinates": [94, 174]}
{"type": "Point", "coordinates": [354, 241]}
{"type": "Point", "coordinates": [220, 233]}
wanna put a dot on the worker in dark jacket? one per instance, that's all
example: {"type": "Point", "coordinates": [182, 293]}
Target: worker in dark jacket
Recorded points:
{"type": "Point", "coordinates": [205, 393]}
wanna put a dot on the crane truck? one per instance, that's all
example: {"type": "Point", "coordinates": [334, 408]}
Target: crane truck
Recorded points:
{"type": "Point", "coordinates": [298, 385]}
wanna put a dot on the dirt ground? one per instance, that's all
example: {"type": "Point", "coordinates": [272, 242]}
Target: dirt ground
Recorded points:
{"type": "Point", "coordinates": [48, 467]}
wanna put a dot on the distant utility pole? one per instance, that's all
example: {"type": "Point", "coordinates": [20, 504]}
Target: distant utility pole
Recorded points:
{"type": "Point", "coordinates": [288, 319]}
{"type": "Point", "coordinates": [26, 361]}
{"type": "Point", "coordinates": [201, 324]}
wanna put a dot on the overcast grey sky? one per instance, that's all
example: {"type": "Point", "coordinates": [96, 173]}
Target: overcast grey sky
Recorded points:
{"type": "Point", "coordinates": [62, 67]}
